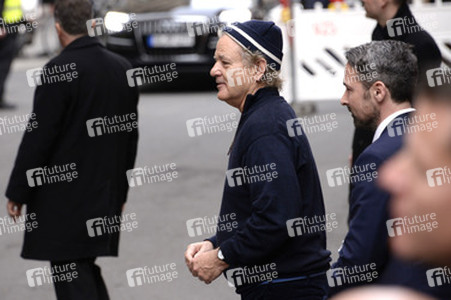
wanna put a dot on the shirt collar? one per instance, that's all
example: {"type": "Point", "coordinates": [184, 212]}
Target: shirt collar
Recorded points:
{"type": "Point", "coordinates": [388, 120]}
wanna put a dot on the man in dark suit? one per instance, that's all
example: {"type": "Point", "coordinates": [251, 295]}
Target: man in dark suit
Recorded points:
{"type": "Point", "coordinates": [396, 22]}
{"type": "Point", "coordinates": [379, 80]}
{"type": "Point", "coordinates": [71, 170]}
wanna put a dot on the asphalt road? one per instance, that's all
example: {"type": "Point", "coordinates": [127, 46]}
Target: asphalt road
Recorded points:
{"type": "Point", "coordinates": [162, 209]}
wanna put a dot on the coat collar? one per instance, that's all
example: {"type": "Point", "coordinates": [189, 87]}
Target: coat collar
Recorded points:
{"type": "Point", "coordinates": [403, 11]}
{"type": "Point", "coordinates": [262, 95]}
{"type": "Point", "coordinates": [83, 42]}
{"type": "Point", "coordinates": [251, 103]}
{"type": "Point", "coordinates": [390, 122]}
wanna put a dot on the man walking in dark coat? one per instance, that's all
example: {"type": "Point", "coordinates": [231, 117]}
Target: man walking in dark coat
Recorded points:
{"type": "Point", "coordinates": [70, 171]}
{"type": "Point", "coordinates": [278, 249]}
{"type": "Point", "coordinates": [396, 22]}
{"type": "Point", "coordinates": [381, 101]}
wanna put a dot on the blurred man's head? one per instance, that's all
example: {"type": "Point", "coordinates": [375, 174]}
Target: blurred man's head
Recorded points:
{"type": "Point", "coordinates": [70, 18]}
{"type": "Point", "coordinates": [381, 10]}
{"type": "Point", "coordinates": [379, 80]}
{"type": "Point", "coordinates": [418, 178]}
{"type": "Point", "coordinates": [248, 57]}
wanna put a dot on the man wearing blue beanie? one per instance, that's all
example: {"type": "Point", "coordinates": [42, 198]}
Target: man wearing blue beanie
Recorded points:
{"type": "Point", "coordinates": [272, 192]}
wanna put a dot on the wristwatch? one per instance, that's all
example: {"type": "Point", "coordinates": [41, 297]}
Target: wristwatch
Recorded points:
{"type": "Point", "coordinates": [220, 255]}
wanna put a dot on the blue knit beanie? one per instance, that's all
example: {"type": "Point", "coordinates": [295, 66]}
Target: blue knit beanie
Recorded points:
{"type": "Point", "coordinates": [263, 36]}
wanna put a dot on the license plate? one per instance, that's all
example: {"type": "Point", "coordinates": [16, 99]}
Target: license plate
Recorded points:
{"type": "Point", "coordinates": [170, 41]}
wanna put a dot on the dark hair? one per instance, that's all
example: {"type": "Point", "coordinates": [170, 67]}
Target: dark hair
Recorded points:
{"type": "Point", "coordinates": [392, 62]}
{"type": "Point", "coordinates": [73, 15]}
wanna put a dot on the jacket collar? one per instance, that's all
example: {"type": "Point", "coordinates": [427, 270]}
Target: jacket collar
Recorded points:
{"type": "Point", "coordinates": [403, 11]}
{"type": "Point", "coordinates": [255, 100]}
{"type": "Point", "coordinates": [251, 103]}
{"type": "Point", "coordinates": [392, 121]}
{"type": "Point", "coordinates": [83, 42]}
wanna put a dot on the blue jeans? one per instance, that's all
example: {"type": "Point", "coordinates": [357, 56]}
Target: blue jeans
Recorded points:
{"type": "Point", "coordinates": [305, 289]}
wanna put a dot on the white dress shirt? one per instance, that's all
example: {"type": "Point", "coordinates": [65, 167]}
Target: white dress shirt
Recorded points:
{"type": "Point", "coordinates": [387, 121]}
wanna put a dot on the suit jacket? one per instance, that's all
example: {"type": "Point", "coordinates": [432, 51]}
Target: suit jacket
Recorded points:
{"type": "Point", "coordinates": [63, 109]}
{"type": "Point", "coordinates": [367, 239]}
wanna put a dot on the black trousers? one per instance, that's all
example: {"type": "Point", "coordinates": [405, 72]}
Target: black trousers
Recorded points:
{"type": "Point", "coordinates": [306, 289]}
{"type": "Point", "coordinates": [88, 285]}
{"type": "Point", "coordinates": [8, 50]}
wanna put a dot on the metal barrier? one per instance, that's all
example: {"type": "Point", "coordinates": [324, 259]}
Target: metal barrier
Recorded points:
{"type": "Point", "coordinates": [315, 42]}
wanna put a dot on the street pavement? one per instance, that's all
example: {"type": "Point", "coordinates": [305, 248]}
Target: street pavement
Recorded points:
{"type": "Point", "coordinates": [163, 208]}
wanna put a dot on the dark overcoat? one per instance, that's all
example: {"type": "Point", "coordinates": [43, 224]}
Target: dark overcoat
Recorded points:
{"type": "Point", "coordinates": [65, 104]}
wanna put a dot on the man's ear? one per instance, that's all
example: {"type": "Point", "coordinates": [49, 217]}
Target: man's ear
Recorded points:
{"type": "Point", "coordinates": [383, 3]}
{"type": "Point", "coordinates": [379, 91]}
{"type": "Point", "coordinates": [59, 28]}
{"type": "Point", "coordinates": [260, 70]}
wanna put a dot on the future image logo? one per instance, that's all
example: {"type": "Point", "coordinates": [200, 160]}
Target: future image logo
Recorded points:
{"type": "Point", "coordinates": [399, 26]}
{"type": "Point", "coordinates": [246, 75]}
{"type": "Point", "coordinates": [109, 225]}
{"type": "Point", "coordinates": [313, 124]}
{"type": "Point", "coordinates": [18, 123]}
{"type": "Point", "coordinates": [256, 274]}
{"type": "Point", "coordinates": [310, 225]}
{"type": "Point", "coordinates": [211, 124]}
{"type": "Point", "coordinates": [153, 74]}
{"type": "Point", "coordinates": [52, 74]}
{"type": "Point", "coordinates": [210, 225]}
{"type": "Point", "coordinates": [115, 21]}
{"type": "Point", "coordinates": [112, 124]}
{"type": "Point", "coordinates": [211, 25]}
{"type": "Point", "coordinates": [253, 174]}
{"type": "Point", "coordinates": [346, 175]}
{"type": "Point", "coordinates": [438, 76]}
{"type": "Point", "coordinates": [408, 225]}
{"type": "Point", "coordinates": [48, 275]}
{"type": "Point", "coordinates": [149, 275]}
{"type": "Point", "coordinates": [52, 174]}
{"type": "Point", "coordinates": [438, 176]}
{"type": "Point", "coordinates": [146, 175]}
{"type": "Point", "coordinates": [34, 77]}
{"type": "Point", "coordinates": [413, 123]}
{"type": "Point", "coordinates": [438, 276]}
{"type": "Point", "coordinates": [352, 275]}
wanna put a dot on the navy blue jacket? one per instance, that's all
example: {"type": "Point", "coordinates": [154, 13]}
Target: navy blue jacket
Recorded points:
{"type": "Point", "coordinates": [367, 239]}
{"type": "Point", "coordinates": [263, 208]}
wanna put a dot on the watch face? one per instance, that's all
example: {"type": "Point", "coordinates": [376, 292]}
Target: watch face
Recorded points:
{"type": "Point", "coordinates": [220, 256]}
